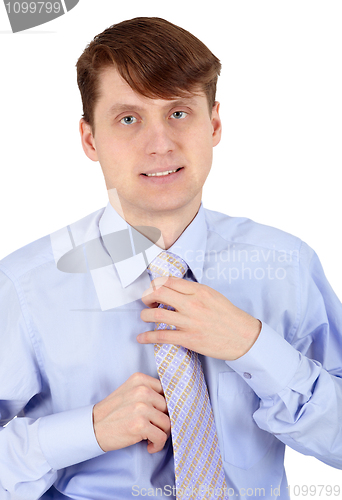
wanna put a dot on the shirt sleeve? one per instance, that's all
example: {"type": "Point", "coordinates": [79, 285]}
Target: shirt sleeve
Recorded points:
{"type": "Point", "coordinates": [32, 450]}
{"type": "Point", "coordinates": [299, 379]}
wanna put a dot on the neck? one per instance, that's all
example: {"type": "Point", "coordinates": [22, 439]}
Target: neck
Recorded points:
{"type": "Point", "coordinates": [171, 223]}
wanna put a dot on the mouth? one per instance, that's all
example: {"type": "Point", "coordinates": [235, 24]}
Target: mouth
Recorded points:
{"type": "Point", "coordinates": [164, 173]}
{"type": "Point", "coordinates": [165, 177]}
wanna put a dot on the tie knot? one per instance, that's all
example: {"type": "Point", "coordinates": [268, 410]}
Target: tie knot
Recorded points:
{"type": "Point", "coordinates": [167, 264]}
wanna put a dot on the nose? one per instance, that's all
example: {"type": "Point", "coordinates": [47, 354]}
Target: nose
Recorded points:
{"type": "Point", "coordinates": [159, 140]}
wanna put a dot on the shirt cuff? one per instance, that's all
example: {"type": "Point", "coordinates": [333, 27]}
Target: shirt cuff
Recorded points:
{"type": "Point", "coordinates": [269, 365]}
{"type": "Point", "coordinates": [68, 438]}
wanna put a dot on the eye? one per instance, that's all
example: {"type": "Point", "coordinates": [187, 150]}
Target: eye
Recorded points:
{"type": "Point", "coordinates": [178, 115]}
{"type": "Point", "coordinates": [128, 120]}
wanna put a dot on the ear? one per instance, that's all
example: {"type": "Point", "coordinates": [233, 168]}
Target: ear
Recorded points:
{"type": "Point", "coordinates": [216, 123]}
{"type": "Point", "coordinates": [88, 141]}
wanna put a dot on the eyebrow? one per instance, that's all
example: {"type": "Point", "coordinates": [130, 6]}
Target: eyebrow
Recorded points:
{"type": "Point", "coordinates": [119, 108]}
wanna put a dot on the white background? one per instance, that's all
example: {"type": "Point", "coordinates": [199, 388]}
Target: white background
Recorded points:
{"type": "Point", "coordinates": [280, 157]}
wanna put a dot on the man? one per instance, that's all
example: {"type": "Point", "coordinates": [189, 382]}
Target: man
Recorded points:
{"type": "Point", "coordinates": [78, 309]}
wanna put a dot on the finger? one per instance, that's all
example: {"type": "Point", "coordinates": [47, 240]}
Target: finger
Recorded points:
{"type": "Point", "coordinates": [174, 337]}
{"type": "Point", "coordinates": [164, 295]}
{"type": "Point", "coordinates": [178, 284]}
{"type": "Point", "coordinates": [160, 420]}
{"type": "Point", "coordinates": [158, 402]}
{"type": "Point", "coordinates": [146, 395]}
{"type": "Point", "coordinates": [155, 385]}
{"type": "Point", "coordinates": [158, 433]}
{"type": "Point", "coordinates": [155, 447]}
{"type": "Point", "coordinates": [163, 315]}
{"type": "Point", "coordinates": [141, 379]}
{"type": "Point", "coordinates": [155, 285]}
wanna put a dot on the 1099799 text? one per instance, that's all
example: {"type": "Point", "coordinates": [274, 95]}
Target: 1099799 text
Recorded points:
{"type": "Point", "coordinates": [33, 7]}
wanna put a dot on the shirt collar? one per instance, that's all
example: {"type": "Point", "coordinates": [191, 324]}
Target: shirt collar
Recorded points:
{"type": "Point", "coordinates": [132, 252]}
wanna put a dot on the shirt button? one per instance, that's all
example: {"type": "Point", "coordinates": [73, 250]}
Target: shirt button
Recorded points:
{"type": "Point", "coordinates": [247, 375]}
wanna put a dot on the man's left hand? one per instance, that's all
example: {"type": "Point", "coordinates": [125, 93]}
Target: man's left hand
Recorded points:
{"type": "Point", "coordinates": [206, 321]}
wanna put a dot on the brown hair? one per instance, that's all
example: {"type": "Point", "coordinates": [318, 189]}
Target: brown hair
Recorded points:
{"type": "Point", "coordinates": [156, 58]}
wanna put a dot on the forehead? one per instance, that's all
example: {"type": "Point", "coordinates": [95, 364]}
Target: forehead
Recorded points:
{"type": "Point", "coordinates": [115, 92]}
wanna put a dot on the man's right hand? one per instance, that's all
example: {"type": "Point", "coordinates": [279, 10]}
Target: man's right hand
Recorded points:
{"type": "Point", "coordinates": [135, 411]}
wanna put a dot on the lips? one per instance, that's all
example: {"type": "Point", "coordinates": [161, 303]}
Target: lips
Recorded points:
{"type": "Point", "coordinates": [161, 171]}
{"type": "Point", "coordinates": [159, 180]}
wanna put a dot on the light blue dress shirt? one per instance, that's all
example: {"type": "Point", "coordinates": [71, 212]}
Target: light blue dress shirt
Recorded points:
{"type": "Point", "coordinates": [70, 308]}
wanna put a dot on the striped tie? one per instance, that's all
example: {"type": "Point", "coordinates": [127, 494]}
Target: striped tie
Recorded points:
{"type": "Point", "coordinates": [198, 464]}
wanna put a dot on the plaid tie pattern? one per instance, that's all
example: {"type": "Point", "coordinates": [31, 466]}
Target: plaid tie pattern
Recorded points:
{"type": "Point", "coordinates": [198, 465]}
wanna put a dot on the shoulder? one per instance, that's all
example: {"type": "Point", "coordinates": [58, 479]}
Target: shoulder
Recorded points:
{"type": "Point", "coordinates": [43, 251]}
{"type": "Point", "coordinates": [245, 231]}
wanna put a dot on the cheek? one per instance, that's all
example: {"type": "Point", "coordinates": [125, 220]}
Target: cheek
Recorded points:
{"type": "Point", "coordinates": [111, 153]}
{"type": "Point", "coordinates": [201, 149]}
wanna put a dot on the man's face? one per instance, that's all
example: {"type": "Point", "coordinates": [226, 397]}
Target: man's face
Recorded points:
{"type": "Point", "coordinates": [135, 136]}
